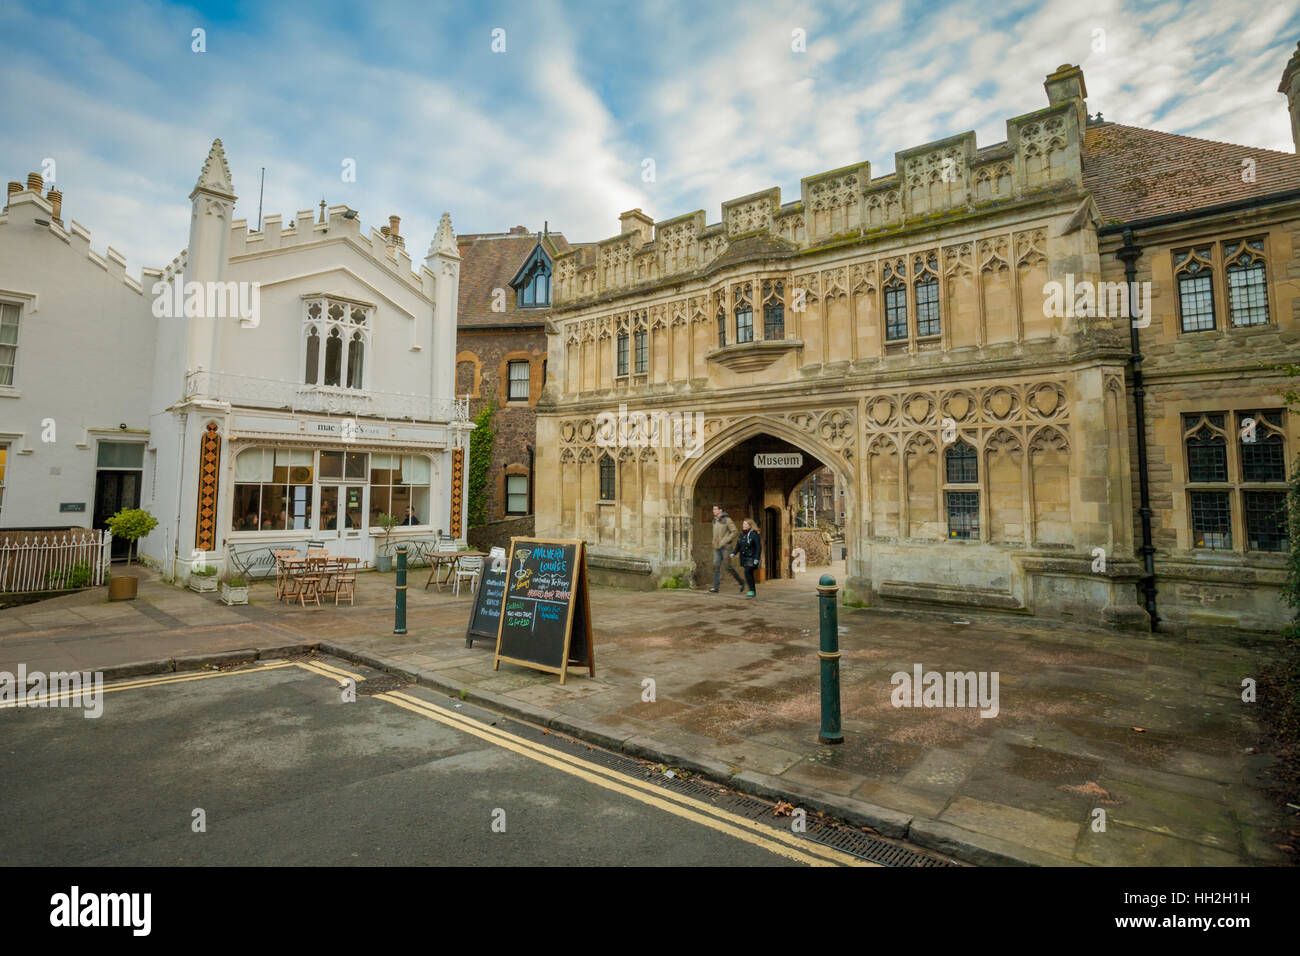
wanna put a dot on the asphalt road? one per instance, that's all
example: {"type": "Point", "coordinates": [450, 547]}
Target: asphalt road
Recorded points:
{"type": "Point", "coordinates": [286, 772]}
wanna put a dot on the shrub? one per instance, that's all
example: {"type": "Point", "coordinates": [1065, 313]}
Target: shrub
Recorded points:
{"type": "Point", "coordinates": [62, 579]}
{"type": "Point", "coordinates": [131, 524]}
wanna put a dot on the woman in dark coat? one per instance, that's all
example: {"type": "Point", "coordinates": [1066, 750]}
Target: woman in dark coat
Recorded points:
{"type": "Point", "coordinates": [749, 548]}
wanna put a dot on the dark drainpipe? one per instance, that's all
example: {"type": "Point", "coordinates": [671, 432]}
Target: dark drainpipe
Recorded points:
{"type": "Point", "coordinates": [1128, 254]}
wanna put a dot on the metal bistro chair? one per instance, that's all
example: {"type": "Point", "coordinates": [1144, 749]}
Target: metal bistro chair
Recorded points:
{"type": "Point", "coordinates": [468, 568]}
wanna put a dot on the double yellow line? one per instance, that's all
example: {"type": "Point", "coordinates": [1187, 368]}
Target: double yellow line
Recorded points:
{"type": "Point", "coordinates": [741, 828]}
{"type": "Point", "coordinates": [776, 841]}
{"type": "Point", "coordinates": [316, 667]}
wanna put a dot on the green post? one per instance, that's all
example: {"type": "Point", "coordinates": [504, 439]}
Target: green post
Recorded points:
{"type": "Point", "coordinates": [399, 624]}
{"type": "Point", "coordinates": [827, 590]}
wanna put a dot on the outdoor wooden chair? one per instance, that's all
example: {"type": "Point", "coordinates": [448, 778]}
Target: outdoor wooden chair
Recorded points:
{"type": "Point", "coordinates": [309, 588]}
{"type": "Point", "coordinates": [345, 580]}
{"type": "Point", "coordinates": [328, 570]}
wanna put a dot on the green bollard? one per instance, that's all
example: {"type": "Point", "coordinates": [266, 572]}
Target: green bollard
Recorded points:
{"type": "Point", "coordinates": [831, 733]}
{"type": "Point", "coordinates": [399, 624]}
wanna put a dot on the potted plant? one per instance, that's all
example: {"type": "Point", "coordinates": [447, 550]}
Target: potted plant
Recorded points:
{"type": "Point", "coordinates": [234, 591]}
{"type": "Point", "coordinates": [384, 562]}
{"type": "Point", "coordinates": [203, 579]}
{"type": "Point", "coordinates": [129, 524]}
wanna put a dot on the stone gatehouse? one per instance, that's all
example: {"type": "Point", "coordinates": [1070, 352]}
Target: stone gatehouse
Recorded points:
{"type": "Point", "coordinates": [959, 342]}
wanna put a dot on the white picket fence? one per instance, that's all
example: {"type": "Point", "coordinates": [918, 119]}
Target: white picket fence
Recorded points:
{"type": "Point", "coordinates": [48, 560]}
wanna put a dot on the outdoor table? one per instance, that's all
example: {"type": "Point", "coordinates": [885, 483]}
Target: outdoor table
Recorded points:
{"type": "Point", "coordinates": [438, 559]}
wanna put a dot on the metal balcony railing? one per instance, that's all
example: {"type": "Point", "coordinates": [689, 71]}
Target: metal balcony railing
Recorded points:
{"type": "Point", "coordinates": [296, 397]}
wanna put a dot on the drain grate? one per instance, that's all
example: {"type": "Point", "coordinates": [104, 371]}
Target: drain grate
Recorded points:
{"type": "Point", "coordinates": [379, 685]}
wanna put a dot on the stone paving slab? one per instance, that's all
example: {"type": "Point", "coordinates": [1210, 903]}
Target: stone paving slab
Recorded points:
{"type": "Point", "coordinates": [1150, 729]}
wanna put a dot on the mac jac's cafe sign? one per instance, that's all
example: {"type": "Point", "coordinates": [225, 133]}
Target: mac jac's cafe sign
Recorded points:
{"type": "Point", "coordinates": [346, 429]}
{"type": "Point", "coordinates": [778, 461]}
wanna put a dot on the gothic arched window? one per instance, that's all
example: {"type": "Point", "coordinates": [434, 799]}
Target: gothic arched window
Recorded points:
{"type": "Point", "coordinates": [963, 465]}
{"type": "Point", "coordinates": [606, 478]}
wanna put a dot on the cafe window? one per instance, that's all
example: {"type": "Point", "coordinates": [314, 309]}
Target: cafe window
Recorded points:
{"type": "Point", "coordinates": [343, 465]}
{"type": "Point", "coordinates": [336, 337]}
{"type": "Point", "coordinates": [399, 486]}
{"type": "Point", "coordinates": [273, 490]}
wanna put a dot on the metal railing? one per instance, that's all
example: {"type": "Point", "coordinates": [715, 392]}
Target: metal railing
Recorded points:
{"type": "Point", "coordinates": [298, 397]}
{"type": "Point", "coordinates": [53, 560]}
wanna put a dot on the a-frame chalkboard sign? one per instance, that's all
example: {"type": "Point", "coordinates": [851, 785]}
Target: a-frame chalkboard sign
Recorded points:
{"type": "Point", "coordinates": [546, 617]}
{"type": "Point", "coordinates": [485, 615]}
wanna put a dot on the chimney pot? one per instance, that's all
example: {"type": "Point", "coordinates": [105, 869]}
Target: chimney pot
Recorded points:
{"type": "Point", "coordinates": [35, 181]}
{"type": "Point", "coordinates": [55, 196]}
{"type": "Point", "coordinates": [15, 187]}
{"type": "Point", "coordinates": [393, 223]}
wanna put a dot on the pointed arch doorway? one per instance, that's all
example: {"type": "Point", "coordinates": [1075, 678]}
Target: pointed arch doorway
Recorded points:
{"type": "Point", "coordinates": [728, 473]}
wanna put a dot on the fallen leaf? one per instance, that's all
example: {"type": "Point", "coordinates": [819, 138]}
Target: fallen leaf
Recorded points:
{"type": "Point", "coordinates": [783, 809]}
{"type": "Point", "coordinates": [1141, 730]}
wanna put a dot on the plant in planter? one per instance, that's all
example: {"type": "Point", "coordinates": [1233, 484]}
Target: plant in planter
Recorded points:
{"type": "Point", "coordinates": [234, 591]}
{"type": "Point", "coordinates": [131, 524]}
{"type": "Point", "coordinates": [203, 579]}
{"type": "Point", "coordinates": [384, 562]}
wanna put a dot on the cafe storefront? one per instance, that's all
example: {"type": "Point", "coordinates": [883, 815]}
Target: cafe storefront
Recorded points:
{"type": "Point", "coordinates": [295, 479]}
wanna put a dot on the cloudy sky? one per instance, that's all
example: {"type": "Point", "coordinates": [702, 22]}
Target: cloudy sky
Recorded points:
{"type": "Point", "coordinates": [559, 126]}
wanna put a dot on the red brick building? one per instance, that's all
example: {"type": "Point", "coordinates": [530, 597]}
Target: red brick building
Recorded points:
{"type": "Point", "coordinates": [505, 296]}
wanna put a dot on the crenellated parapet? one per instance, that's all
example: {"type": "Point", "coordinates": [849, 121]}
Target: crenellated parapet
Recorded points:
{"type": "Point", "coordinates": [30, 208]}
{"type": "Point", "coordinates": [383, 245]}
{"type": "Point", "coordinates": [937, 181]}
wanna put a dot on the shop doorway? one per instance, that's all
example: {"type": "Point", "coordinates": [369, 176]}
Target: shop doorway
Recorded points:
{"type": "Point", "coordinates": [341, 520]}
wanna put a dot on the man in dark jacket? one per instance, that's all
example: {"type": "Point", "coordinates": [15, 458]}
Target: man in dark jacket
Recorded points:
{"type": "Point", "coordinates": [749, 549]}
{"type": "Point", "coordinates": [724, 541]}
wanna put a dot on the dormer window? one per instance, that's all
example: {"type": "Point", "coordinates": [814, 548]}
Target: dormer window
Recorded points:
{"type": "Point", "coordinates": [532, 283]}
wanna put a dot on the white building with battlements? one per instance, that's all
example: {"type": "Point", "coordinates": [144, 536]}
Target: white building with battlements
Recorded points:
{"type": "Point", "coordinates": [266, 389]}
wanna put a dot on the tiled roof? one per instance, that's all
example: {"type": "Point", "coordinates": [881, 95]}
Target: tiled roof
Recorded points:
{"type": "Point", "coordinates": [488, 262]}
{"type": "Point", "coordinates": [1137, 173]}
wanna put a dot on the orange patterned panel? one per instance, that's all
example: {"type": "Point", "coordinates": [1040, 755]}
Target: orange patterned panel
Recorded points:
{"type": "Point", "coordinates": [457, 489]}
{"type": "Point", "coordinates": [205, 530]}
